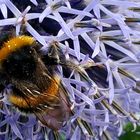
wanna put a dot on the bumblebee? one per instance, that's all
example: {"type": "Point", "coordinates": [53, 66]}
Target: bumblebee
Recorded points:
{"type": "Point", "coordinates": [35, 85]}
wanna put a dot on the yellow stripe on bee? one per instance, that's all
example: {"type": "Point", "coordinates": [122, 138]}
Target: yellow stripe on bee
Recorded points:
{"type": "Point", "coordinates": [18, 101]}
{"type": "Point", "coordinates": [15, 43]}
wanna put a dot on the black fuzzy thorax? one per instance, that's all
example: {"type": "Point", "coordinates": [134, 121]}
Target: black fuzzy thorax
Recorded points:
{"type": "Point", "coordinates": [20, 64]}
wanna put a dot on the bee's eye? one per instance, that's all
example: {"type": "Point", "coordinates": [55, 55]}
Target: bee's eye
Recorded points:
{"type": "Point", "coordinates": [20, 64]}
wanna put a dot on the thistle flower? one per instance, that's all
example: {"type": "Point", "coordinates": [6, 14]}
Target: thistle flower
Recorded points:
{"type": "Point", "coordinates": [103, 37]}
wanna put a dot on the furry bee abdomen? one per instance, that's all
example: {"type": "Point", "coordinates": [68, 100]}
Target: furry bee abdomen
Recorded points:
{"type": "Point", "coordinates": [37, 102]}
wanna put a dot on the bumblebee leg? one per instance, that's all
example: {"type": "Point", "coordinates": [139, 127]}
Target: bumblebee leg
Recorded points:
{"type": "Point", "coordinates": [77, 68]}
{"type": "Point", "coordinates": [55, 57]}
{"type": "Point", "coordinates": [23, 30]}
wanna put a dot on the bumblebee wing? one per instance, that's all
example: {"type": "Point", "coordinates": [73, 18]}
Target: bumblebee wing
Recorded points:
{"type": "Point", "coordinates": [51, 109]}
{"type": "Point", "coordinates": [54, 118]}
{"type": "Point", "coordinates": [51, 117]}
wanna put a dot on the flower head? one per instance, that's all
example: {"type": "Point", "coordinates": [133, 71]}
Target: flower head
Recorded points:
{"type": "Point", "coordinates": [102, 39]}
